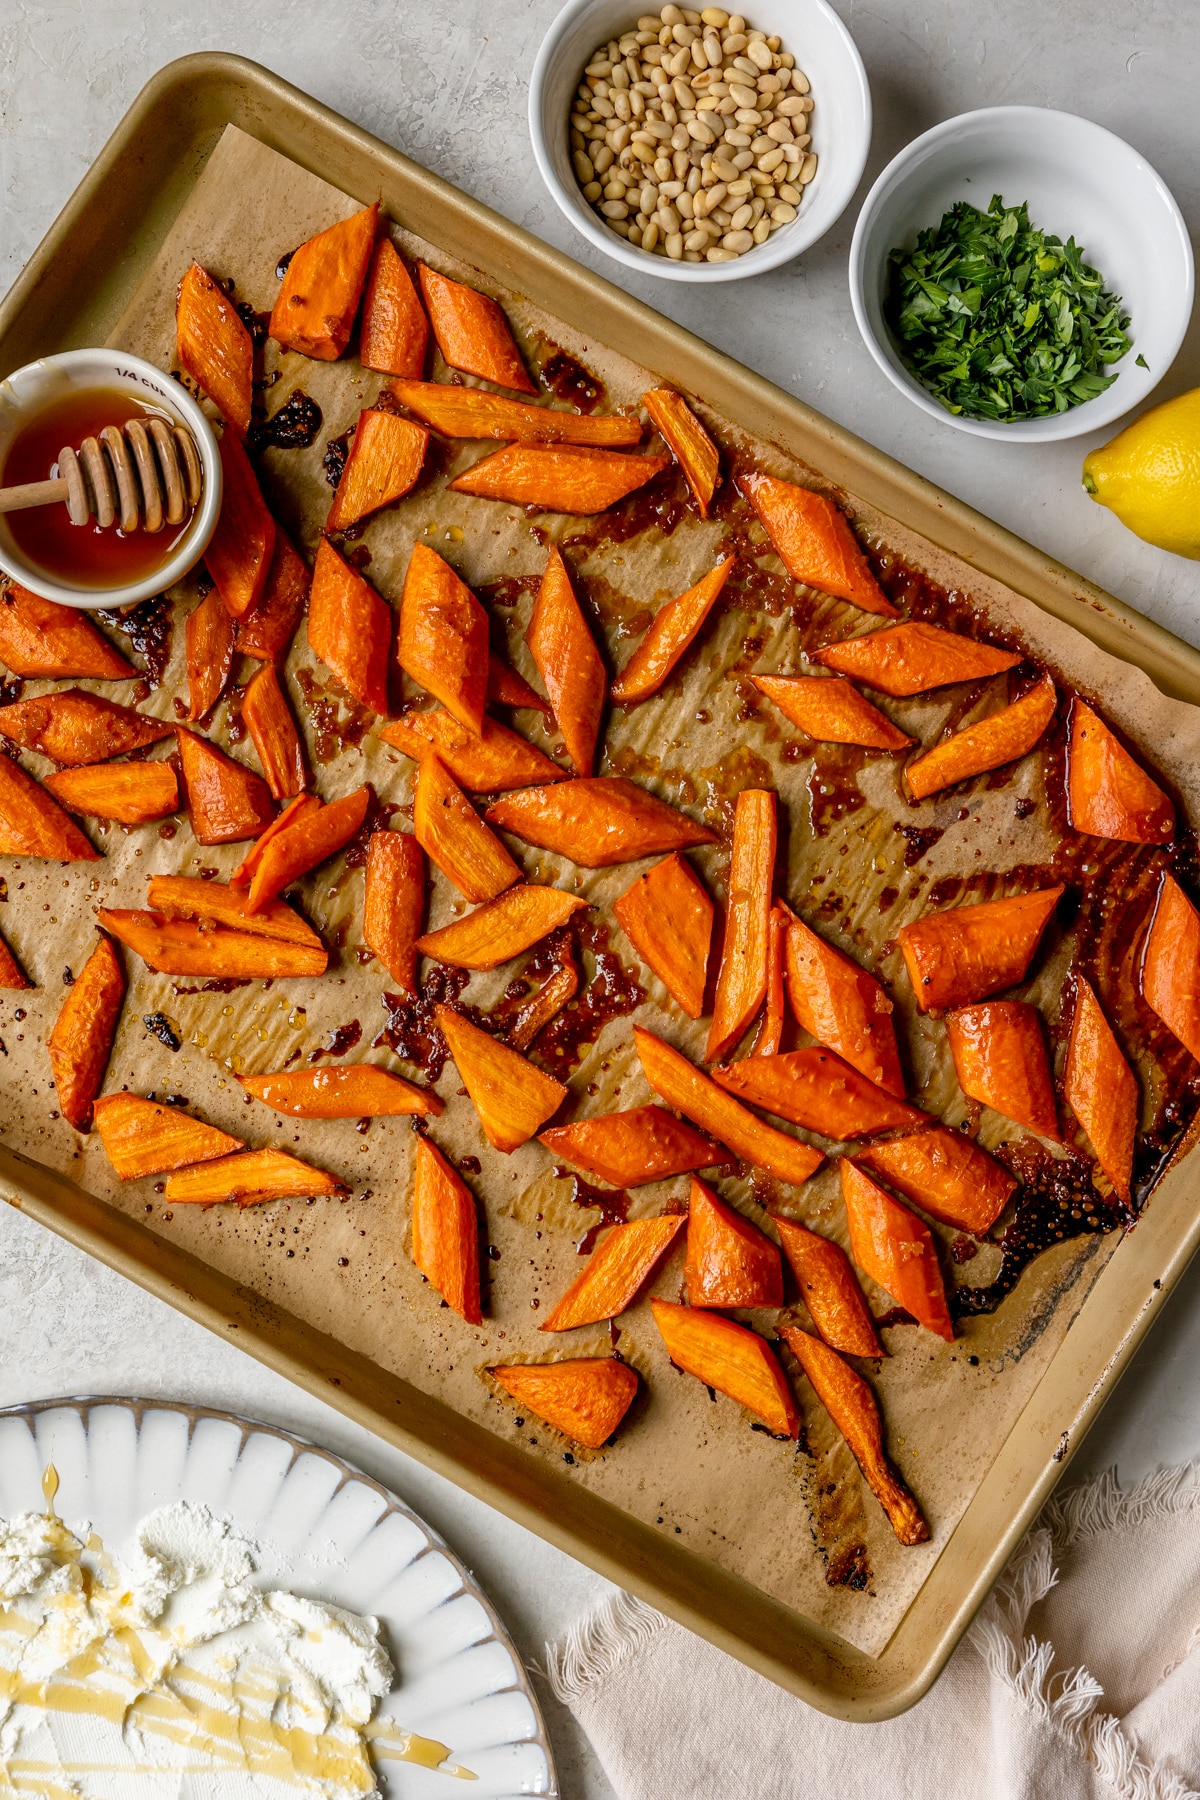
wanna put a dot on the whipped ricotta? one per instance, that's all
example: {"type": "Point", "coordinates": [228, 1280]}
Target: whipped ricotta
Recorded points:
{"type": "Point", "coordinates": [173, 1676]}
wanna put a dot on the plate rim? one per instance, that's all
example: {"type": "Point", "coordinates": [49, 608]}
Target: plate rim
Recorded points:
{"type": "Point", "coordinates": [83, 1404]}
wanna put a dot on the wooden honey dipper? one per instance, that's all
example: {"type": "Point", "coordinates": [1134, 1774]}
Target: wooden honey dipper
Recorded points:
{"type": "Point", "coordinates": [144, 474]}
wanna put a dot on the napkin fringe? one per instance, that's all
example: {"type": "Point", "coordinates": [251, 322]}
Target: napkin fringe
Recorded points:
{"type": "Point", "coordinates": [1102, 1505]}
{"type": "Point", "coordinates": [596, 1646]}
{"type": "Point", "coordinates": [1067, 1703]}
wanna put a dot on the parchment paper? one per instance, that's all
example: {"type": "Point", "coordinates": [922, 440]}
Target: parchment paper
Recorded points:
{"type": "Point", "coordinates": [685, 1463]}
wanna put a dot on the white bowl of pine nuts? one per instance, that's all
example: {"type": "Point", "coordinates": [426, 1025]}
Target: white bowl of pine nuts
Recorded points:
{"type": "Point", "coordinates": [700, 145]}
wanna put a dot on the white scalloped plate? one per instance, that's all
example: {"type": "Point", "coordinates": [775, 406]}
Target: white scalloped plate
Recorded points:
{"type": "Point", "coordinates": [323, 1530]}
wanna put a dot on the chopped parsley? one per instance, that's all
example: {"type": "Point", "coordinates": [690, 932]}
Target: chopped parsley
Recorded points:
{"type": "Point", "coordinates": [999, 320]}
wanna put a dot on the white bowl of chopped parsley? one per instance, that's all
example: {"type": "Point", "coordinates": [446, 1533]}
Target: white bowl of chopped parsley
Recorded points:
{"type": "Point", "coordinates": [1022, 273]}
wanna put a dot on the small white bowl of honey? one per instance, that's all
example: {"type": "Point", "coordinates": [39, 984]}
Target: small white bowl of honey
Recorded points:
{"type": "Point", "coordinates": [134, 429]}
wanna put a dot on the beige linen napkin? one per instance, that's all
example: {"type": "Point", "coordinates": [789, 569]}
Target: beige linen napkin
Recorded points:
{"type": "Point", "coordinates": [1080, 1680]}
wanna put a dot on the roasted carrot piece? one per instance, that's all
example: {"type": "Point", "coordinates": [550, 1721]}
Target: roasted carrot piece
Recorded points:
{"type": "Point", "coordinates": [687, 441]}
{"type": "Point", "coordinates": [742, 979]}
{"type": "Point", "coordinates": [512, 1097]}
{"type": "Point", "coordinates": [507, 688]}
{"type": "Point", "coordinates": [945, 1174]}
{"type": "Point", "coordinates": [568, 662]}
{"type": "Point", "coordinates": [131, 792]}
{"type": "Point", "coordinates": [295, 809]}
{"type": "Point", "coordinates": [394, 904]}
{"type": "Point", "coordinates": [1003, 738]}
{"type": "Point", "coordinates": [907, 659]}
{"type": "Point", "coordinates": [631, 1148]}
{"type": "Point", "coordinates": [225, 800]}
{"type": "Point", "coordinates": [82, 1036]}
{"type": "Point", "coordinates": [463, 412]}
{"type": "Point", "coordinates": [1000, 1059]}
{"type": "Point", "coordinates": [502, 928]}
{"type": "Point", "coordinates": [672, 633]}
{"type": "Point", "coordinates": [852, 1406]}
{"type": "Point", "coordinates": [11, 973]}
{"type": "Point", "coordinates": [842, 1006]}
{"type": "Point", "coordinates": [455, 838]}
{"type": "Point", "coordinates": [1170, 963]}
{"type": "Point", "coordinates": [239, 551]}
{"type": "Point", "coordinates": [186, 947]}
{"type": "Point", "coordinates": [597, 822]}
{"type": "Point", "coordinates": [445, 1231]}
{"type": "Point", "coordinates": [545, 1003]}
{"type": "Point", "coordinates": [814, 541]}
{"type": "Point", "coordinates": [250, 1177]}
{"type": "Point", "coordinates": [360, 1091]}
{"type": "Point", "coordinates": [314, 309]}
{"type": "Point", "coordinates": [896, 1249]}
{"type": "Point", "coordinates": [209, 637]}
{"type": "Point", "coordinates": [267, 630]}
{"type": "Point", "coordinates": [491, 762]}
{"type": "Point", "coordinates": [564, 478]}
{"type": "Point", "coordinates": [142, 1138]}
{"type": "Point", "coordinates": [668, 918]}
{"type": "Point", "coordinates": [443, 637]}
{"type": "Point", "coordinates": [77, 727]}
{"type": "Point", "coordinates": [829, 1289]}
{"type": "Point", "coordinates": [817, 1090]}
{"type": "Point", "coordinates": [729, 1261]}
{"type": "Point", "coordinates": [310, 840]}
{"type": "Point", "coordinates": [616, 1270]}
{"type": "Point", "coordinates": [683, 1086]}
{"type": "Point", "coordinates": [32, 823]}
{"type": "Point", "coordinates": [1109, 795]}
{"type": "Point", "coordinates": [394, 336]}
{"type": "Point", "coordinates": [472, 332]}
{"type": "Point", "coordinates": [191, 897]}
{"type": "Point", "coordinates": [731, 1359]}
{"type": "Point", "coordinates": [770, 1030]}
{"type": "Point", "coordinates": [968, 952]}
{"type": "Point", "coordinates": [387, 454]}
{"type": "Point", "coordinates": [214, 347]}
{"type": "Point", "coordinates": [273, 734]}
{"type": "Point", "coordinates": [585, 1399]}
{"type": "Point", "coordinates": [349, 628]}
{"type": "Point", "coordinates": [39, 637]}
{"type": "Point", "coordinates": [832, 711]}
{"type": "Point", "coordinates": [1100, 1088]}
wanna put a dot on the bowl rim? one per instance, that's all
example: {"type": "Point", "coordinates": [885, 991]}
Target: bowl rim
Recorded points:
{"type": "Point", "coordinates": [195, 541]}
{"type": "Point", "coordinates": [1079, 420]}
{"type": "Point", "coordinates": [780, 248]}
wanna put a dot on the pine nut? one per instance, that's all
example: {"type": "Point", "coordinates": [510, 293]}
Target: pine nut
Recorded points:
{"type": "Point", "coordinates": [689, 129]}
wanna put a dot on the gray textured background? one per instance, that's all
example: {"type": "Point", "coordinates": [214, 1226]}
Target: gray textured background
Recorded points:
{"type": "Point", "coordinates": [447, 85]}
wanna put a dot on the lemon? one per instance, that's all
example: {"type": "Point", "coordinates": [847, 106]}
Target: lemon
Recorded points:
{"type": "Point", "coordinates": [1149, 475]}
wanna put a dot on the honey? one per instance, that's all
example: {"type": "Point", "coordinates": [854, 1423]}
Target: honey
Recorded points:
{"type": "Point", "coordinates": [81, 555]}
